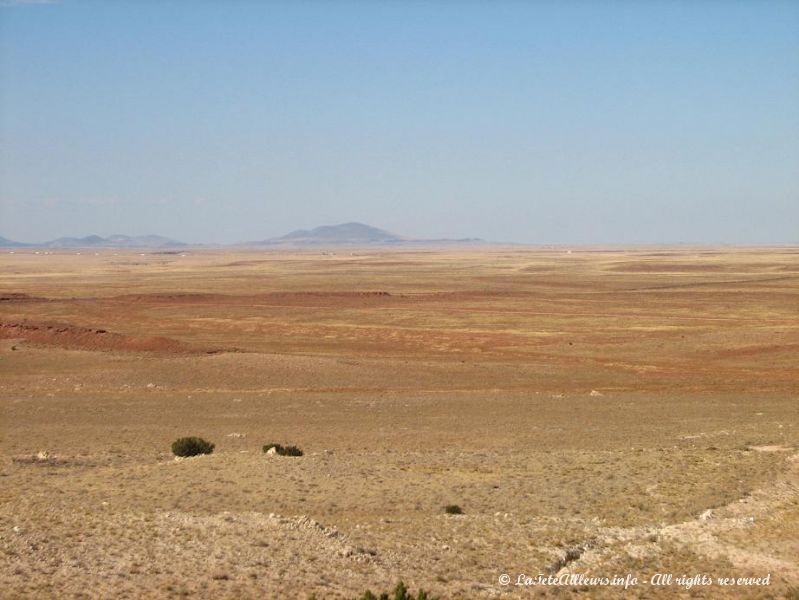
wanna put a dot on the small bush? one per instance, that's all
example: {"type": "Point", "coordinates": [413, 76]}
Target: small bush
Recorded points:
{"type": "Point", "coordinates": [283, 450]}
{"type": "Point", "coordinates": [400, 593]}
{"type": "Point", "coordinates": [191, 446]}
{"type": "Point", "coordinates": [453, 509]}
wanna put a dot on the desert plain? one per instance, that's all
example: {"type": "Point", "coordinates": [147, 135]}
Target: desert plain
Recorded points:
{"type": "Point", "coordinates": [597, 411]}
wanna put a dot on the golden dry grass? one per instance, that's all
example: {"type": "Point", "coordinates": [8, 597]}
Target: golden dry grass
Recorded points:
{"type": "Point", "coordinates": [599, 400]}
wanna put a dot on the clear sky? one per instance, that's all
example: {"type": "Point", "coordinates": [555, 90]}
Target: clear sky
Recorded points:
{"type": "Point", "coordinates": [538, 122]}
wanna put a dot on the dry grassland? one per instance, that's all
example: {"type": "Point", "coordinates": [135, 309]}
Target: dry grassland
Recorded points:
{"type": "Point", "coordinates": [601, 412]}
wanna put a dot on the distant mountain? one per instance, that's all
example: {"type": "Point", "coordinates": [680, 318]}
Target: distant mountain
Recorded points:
{"type": "Point", "coordinates": [95, 241]}
{"type": "Point", "coordinates": [70, 242]}
{"type": "Point", "coordinates": [352, 234]}
{"type": "Point", "coordinates": [346, 233]}
{"type": "Point", "coordinates": [114, 241]}
{"type": "Point", "coordinates": [6, 243]}
{"type": "Point", "coordinates": [143, 241]}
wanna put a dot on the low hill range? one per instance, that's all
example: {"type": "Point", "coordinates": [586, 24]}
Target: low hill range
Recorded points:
{"type": "Point", "coordinates": [345, 234]}
{"type": "Point", "coordinates": [6, 243]}
{"type": "Point", "coordinates": [96, 241]}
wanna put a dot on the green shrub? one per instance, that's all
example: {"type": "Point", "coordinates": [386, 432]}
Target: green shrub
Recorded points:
{"type": "Point", "coordinates": [191, 446]}
{"type": "Point", "coordinates": [283, 450]}
{"type": "Point", "coordinates": [400, 593]}
{"type": "Point", "coordinates": [453, 509]}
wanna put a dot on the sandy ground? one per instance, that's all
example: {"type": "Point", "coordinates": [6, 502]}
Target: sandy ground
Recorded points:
{"type": "Point", "coordinates": [602, 412]}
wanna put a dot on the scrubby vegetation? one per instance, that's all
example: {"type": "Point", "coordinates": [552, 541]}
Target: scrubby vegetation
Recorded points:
{"type": "Point", "coordinates": [453, 509]}
{"type": "Point", "coordinates": [400, 593]}
{"type": "Point", "coordinates": [283, 450]}
{"type": "Point", "coordinates": [191, 446]}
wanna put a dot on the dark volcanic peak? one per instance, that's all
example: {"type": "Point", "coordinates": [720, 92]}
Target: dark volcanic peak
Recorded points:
{"type": "Point", "coordinates": [346, 233]}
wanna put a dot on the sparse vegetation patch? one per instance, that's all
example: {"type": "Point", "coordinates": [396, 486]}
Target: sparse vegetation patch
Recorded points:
{"type": "Point", "coordinates": [400, 593]}
{"type": "Point", "coordinates": [191, 446]}
{"type": "Point", "coordinates": [283, 450]}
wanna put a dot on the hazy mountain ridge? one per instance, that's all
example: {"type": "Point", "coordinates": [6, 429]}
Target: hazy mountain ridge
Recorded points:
{"type": "Point", "coordinates": [96, 241]}
{"type": "Point", "coordinates": [6, 243]}
{"type": "Point", "coordinates": [343, 233]}
{"type": "Point", "coordinates": [348, 234]}
{"type": "Point", "coordinates": [353, 234]}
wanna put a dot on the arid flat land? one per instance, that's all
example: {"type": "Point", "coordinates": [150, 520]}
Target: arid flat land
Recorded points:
{"type": "Point", "coordinates": [601, 411]}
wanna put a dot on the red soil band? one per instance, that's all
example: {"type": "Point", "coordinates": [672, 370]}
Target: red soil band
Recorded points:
{"type": "Point", "coordinates": [84, 338]}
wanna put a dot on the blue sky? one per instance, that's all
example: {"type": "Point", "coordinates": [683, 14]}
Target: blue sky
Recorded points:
{"type": "Point", "coordinates": [539, 122]}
